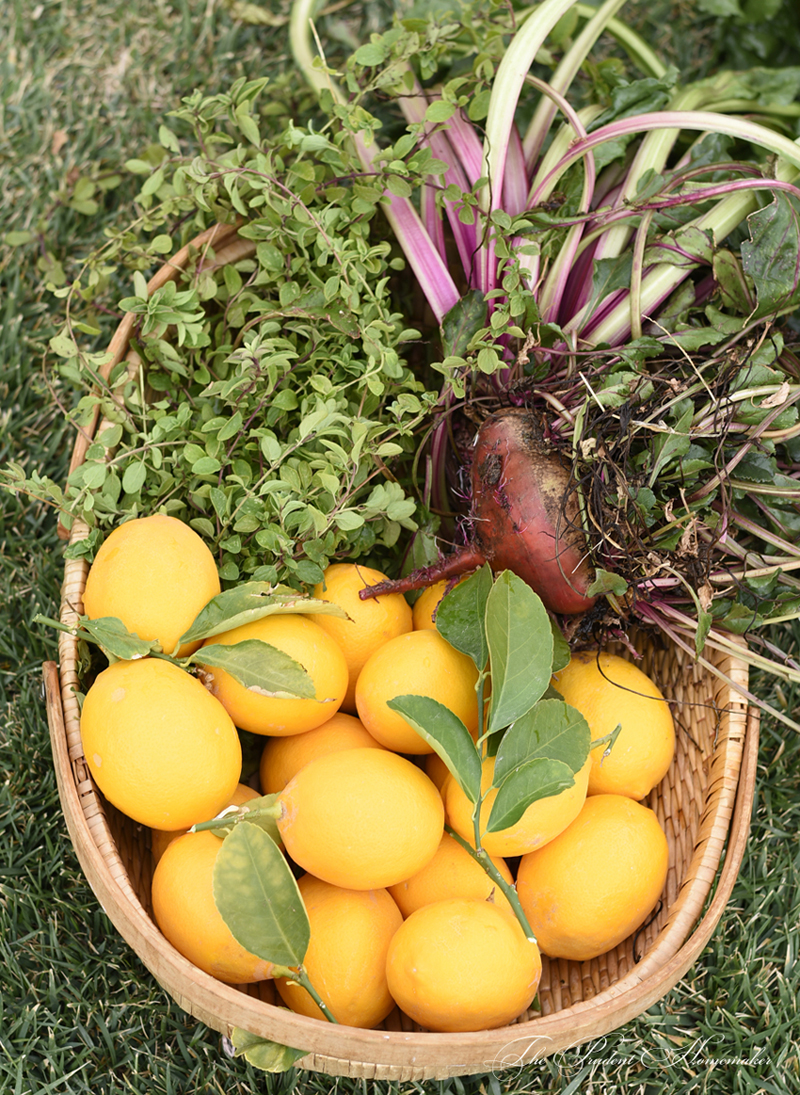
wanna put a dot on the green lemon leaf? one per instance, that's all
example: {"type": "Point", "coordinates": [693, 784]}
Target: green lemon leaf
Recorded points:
{"type": "Point", "coordinates": [256, 811]}
{"type": "Point", "coordinates": [539, 778]}
{"type": "Point", "coordinates": [260, 667]}
{"type": "Point", "coordinates": [257, 897]}
{"type": "Point", "coordinates": [263, 1054]}
{"type": "Point", "coordinates": [114, 637]}
{"type": "Point", "coordinates": [520, 649]}
{"type": "Point", "coordinates": [448, 735]}
{"type": "Point", "coordinates": [551, 730]}
{"type": "Point", "coordinates": [561, 651]}
{"type": "Point", "coordinates": [460, 616]}
{"type": "Point", "coordinates": [251, 601]}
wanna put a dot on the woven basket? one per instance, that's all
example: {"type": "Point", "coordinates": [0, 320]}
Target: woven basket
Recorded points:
{"type": "Point", "coordinates": [703, 803]}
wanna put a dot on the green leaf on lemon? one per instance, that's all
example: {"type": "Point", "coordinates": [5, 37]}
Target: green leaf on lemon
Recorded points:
{"type": "Point", "coordinates": [251, 601]}
{"type": "Point", "coordinates": [257, 897]}
{"type": "Point", "coordinates": [539, 778]}
{"type": "Point", "coordinates": [520, 642]}
{"type": "Point", "coordinates": [448, 735]}
{"type": "Point", "coordinates": [259, 667]}
{"type": "Point", "coordinates": [460, 616]}
{"type": "Point", "coordinates": [551, 730]}
{"type": "Point", "coordinates": [114, 637]}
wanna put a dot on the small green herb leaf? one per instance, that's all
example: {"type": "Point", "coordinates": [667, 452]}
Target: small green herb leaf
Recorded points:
{"type": "Point", "coordinates": [448, 735]}
{"type": "Point", "coordinates": [257, 897]}
{"type": "Point", "coordinates": [261, 667]}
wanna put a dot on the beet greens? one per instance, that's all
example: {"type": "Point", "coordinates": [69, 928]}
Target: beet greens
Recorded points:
{"type": "Point", "coordinates": [622, 275]}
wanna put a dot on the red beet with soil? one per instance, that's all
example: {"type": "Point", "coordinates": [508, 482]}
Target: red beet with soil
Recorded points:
{"type": "Point", "coordinates": [524, 517]}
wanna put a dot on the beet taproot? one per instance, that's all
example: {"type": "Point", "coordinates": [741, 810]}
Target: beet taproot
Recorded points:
{"type": "Point", "coordinates": [524, 517]}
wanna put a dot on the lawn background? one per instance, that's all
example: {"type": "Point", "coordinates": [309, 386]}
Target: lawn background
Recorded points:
{"type": "Point", "coordinates": [83, 87]}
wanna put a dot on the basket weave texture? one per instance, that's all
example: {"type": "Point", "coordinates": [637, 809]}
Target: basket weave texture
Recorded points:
{"type": "Point", "coordinates": [703, 804]}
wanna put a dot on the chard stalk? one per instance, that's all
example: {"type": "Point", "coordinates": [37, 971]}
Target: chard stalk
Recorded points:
{"type": "Point", "coordinates": [700, 120]}
{"type": "Point", "coordinates": [508, 81]}
{"type": "Point", "coordinates": [440, 144]}
{"type": "Point", "coordinates": [562, 78]}
{"type": "Point", "coordinates": [424, 259]}
{"type": "Point", "coordinates": [552, 291]}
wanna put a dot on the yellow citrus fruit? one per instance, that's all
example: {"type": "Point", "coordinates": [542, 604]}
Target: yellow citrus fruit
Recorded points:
{"type": "Point", "coordinates": [371, 623]}
{"type": "Point", "coordinates": [420, 663]}
{"type": "Point", "coordinates": [158, 744]}
{"type": "Point", "coordinates": [452, 872]}
{"type": "Point", "coordinates": [461, 965]}
{"type": "Point", "coordinates": [543, 819]}
{"type": "Point", "coordinates": [362, 819]}
{"type": "Point", "coordinates": [609, 692]}
{"type": "Point", "coordinates": [306, 642]}
{"type": "Point", "coordinates": [155, 574]}
{"type": "Point", "coordinates": [346, 957]}
{"type": "Point", "coordinates": [587, 890]}
{"type": "Point", "coordinates": [184, 909]}
{"type": "Point", "coordinates": [283, 758]}
{"type": "Point", "coordinates": [160, 839]}
{"type": "Point", "coordinates": [425, 606]}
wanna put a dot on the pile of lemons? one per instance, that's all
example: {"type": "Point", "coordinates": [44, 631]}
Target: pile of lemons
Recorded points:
{"type": "Point", "coordinates": [400, 912]}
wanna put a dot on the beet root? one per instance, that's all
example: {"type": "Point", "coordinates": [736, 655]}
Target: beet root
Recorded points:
{"type": "Point", "coordinates": [524, 518]}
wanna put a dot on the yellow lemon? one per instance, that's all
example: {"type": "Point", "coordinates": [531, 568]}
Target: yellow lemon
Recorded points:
{"type": "Point", "coordinates": [158, 745]}
{"type": "Point", "coordinates": [307, 643]}
{"type": "Point", "coordinates": [283, 758]}
{"type": "Point", "coordinates": [362, 819]}
{"type": "Point", "coordinates": [420, 663]}
{"type": "Point", "coordinates": [155, 574]}
{"type": "Point", "coordinates": [609, 692]}
{"type": "Point", "coordinates": [462, 965]}
{"type": "Point", "coordinates": [370, 622]}
{"type": "Point", "coordinates": [452, 872]}
{"type": "Point", "coordinates": [346, 958]}
{"type": "Point", "coordinates": [184, 909]}
{"type": "Point", "coordinates": [595, 883]}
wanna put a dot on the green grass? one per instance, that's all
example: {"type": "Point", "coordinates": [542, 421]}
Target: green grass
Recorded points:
{"type": "Point", "coordinates": [83, 86]}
